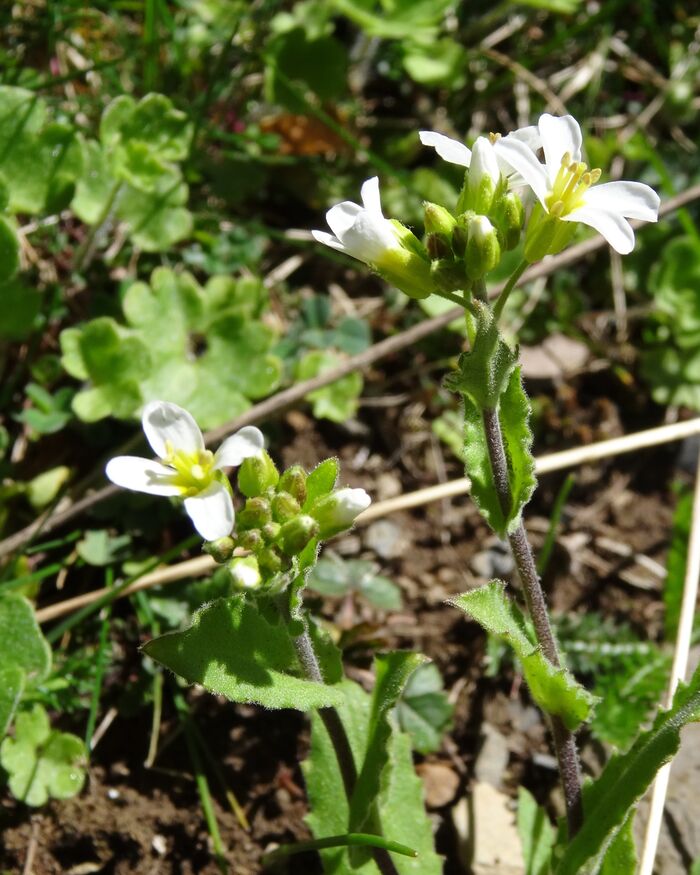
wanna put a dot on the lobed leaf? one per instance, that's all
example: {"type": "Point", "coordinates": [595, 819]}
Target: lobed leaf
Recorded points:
{"type": "Point", "coordinates": [232, 650]}
{"type": "Point", "coordinates": [554, 689]}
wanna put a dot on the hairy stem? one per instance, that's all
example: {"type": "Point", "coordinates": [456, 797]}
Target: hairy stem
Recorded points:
{"type": "Point", "coordinates": [339, 739]}
{"type": "Point", "coordinates": [563, 738]}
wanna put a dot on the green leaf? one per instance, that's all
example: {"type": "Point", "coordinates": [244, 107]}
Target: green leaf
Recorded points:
{"type": "Point", "coordinates": [232, 650]}
{"type": "Point", "coordinates": [9, 251]}
{"type": "Point", "coordinates": [43, 488]}
{"type": "Point", "coordinates": [392, 670]}
{"type": "Point", "coordinates": [621, 855]}
{"type": "Point", "coordinates": [21, 641]}
{"type": "Point", "coordinates": [440, 62]}
{"type": "Point", "coordinates": [484, 372]}
{"type": "Point", "coordinates": [424, 711]}
{"type": "Point", "coordinates": [20, 306]}
{"type": "Point", "coordinates": [11, 690]}
{"type": "Point", "coordinates": [160, 220]}
{"type": "Point", "coordinates": [333, 576]}
{"type": "Point", "coordinates": [554, 689]}
{"type": "Point", "coordinates": [536, 834]}
{"type": "Point", "coordinates": [95, 186]}
{"type": "Point", "coordinates": [609, 800]}
{"type": "Point", "coordinates": [319, 63]}
{"type": "Point", "coordinates": [97, 547]}
{"type": "Point", "coordinates": [321, 481]}
{"type": "Point", "coordinates": [153, 122]}
{"type": "Point", "coordinates": [488, 379]}
{"type": "Point", "coordinates": [337, 402]}
{"type": "Point", "coordinates": [42, 763]}
{"type": "Point", "coordinates": [400, 803]}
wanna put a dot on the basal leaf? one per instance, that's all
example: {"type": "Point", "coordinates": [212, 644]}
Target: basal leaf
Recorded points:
{"type": "Point", "coordinates": [400, 803]}
{"type": "Point", "coordinates": [536, 834]}
{"type": "Point", "coordinates": [609, 800]}
{"type": "Point", "coordinates": [392, 670]}
{"type": "Point", "coordinates": [21, 640]}
{"type": "Point", "coordinates": [338, 401]}
{"type": "Point", "coordinates": [232, 650]}
{"type": "Point", "coordinates": [11, 690]}
{"type": "Point", "coordinates": [424, 711]}
{"type": "Point", "coordinates": [554, 689]}
{"type": "Point", "coordinates": [158, 220]}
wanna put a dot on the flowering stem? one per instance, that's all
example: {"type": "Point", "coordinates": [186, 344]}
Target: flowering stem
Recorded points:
{"type": "Point", "coordinates": [563, 738]}
{"type": "Point", "coordinates": [508, 288]}
{"type": "Point", "coordinates": [456, 299]}
{"type": "Point", "coordinates": [339, 739]}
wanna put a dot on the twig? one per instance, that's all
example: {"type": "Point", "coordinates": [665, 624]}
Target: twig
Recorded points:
{"type": "Point", "coordinates": [201, 565]}
{"type": "Point", "coordinates": [678, 670]}
{"type": "Point", "coordinates": [50, 520]}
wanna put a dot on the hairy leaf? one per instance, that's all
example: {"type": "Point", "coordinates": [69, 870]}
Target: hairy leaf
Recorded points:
{"type": "Point", "coordinates": [392, 670]}
{"type": "Point", "coordinates": [621, 856]}
{"type": "Point", "coordinates": [608, 801]}
{"type": "Point", "coordinates": [400, 804]}
{"type": "Point", "coordinates": [554, 689]}
{"type": "Point", "coordinates": [536, 834]}
{"type": "Point", "coordinates": [21, 641]}
{"type": "Point", "coordinates": [11, 690]}
{"type": "Point", "coordinates": [232, 650]}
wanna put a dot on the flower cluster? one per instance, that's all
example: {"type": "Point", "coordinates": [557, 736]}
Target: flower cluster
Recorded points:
{"type": "Point", "coordinates": [281, 515]}
{"type": "Point", "coordinates": [490, 214]}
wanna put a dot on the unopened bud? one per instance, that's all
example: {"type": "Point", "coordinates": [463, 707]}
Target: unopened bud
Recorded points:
{"type": "Point", "coordinates": [483, 250]}
{"type": "Point", "coordinates": [297, 533]}
{"type": "Point", "coordinates": [254, 515]}
{"type": "Point", "coordinates": [284, 507]}
{"type": "Point", "coordinates": [257, 474]}
{"type": "Point", "coordinates": [270, 531]}
{"type": "Point", "coordinates": [220, 550]}
{"type": "Point", "coordinates": [438, 220]}
{"type": "Point", "coordinates": [293, 481]}
{"type": "Point", "coordinates": [251, 540]}
{"type": "Point", "coordinates": [484, 176]}
{"type": "Point", "coordinates": [245, 572]}
{"type": "Point", "coordinates": [337, 511]}
{"type": "Point", "coordinates": [510, 219]}
{"type": "Point", "coordinates": [269, 561]}
{"type": "Point", "coordinates": [438, 247]}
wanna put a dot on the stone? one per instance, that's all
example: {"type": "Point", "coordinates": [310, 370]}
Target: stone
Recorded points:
{"type": "Point", "coordinates": [492, 759]}
{"type": "Point", "coordinates": [387, 539]}
{"type": "Point", "coordinates": [440, 783]}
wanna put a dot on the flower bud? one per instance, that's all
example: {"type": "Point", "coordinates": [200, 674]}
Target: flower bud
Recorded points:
{"type": "Point", "coordinates": [245, 572]}
{"type": "Point", "coordinates": [483, 250]}
{"type": "Point", "coordinates": [510, 218]}
{"type": "Point", "coordinates": [483, 178]}
{"type": "Point", "coordinates": [256, 474]}
{"type": "Point", "coordinates": [337, 511]}
{"type": "Point", "coordinates": [220, 550]}
{"type": "Point", "coordinates": [284, 507]}
{"type": "Point", "coordinates": [270, 531]}
{"type": "Point", "coordinates": [269, 561]}
{"type": "Point", "coordinates": [255, 514]}
{"type": "Point", "coordinates": [438, 220]}
{"type": "Point", "coordinates": [297, 533]}
{"type": "Point", "coordinates": [407, 271]}
{"type": "Point", "coordinates": [293, 481]}
{"type": "Point", "coordinates": [438, 247]}
{"type": "Point", "coordinates": [251, 540]}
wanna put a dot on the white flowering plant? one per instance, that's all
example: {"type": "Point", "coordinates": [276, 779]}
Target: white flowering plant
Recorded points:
{"type": "Point", "coordinates": [525, 192]}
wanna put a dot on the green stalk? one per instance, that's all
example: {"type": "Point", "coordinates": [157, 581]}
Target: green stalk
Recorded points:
{"type": "Point", "coordinates": [508, 288]}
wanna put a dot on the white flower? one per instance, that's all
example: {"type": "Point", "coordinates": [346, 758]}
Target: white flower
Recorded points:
{"type": "Point", "coordinates": [349, 504]}
{"type": "Point", "coordinates": [361, 232]}
{"type": "Point", "coordinates": [187, 469]}
{"type": "Point", "coordinates": [567, 190]}
{"type": "Point", "coordinates": [484, 158]}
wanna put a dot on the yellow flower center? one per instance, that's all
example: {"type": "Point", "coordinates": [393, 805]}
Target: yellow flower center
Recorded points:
{"type": "Point", "coordinates": [571, 184]}
{"type": "Point", "coordinates": [195, 471]}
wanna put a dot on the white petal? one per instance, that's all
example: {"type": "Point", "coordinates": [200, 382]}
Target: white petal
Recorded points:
{"type": "Point", "coordinates": [530, 135]}
{"type": "Point", "coordinates": [142, 475]}
{"type": "Point", "coordinates": [341, 217]}
{"type": "Point", "coordinates": [328, 239]}
{"type": "Point", "coordinates": [559, 134]}
{"type": "Point", "coordinates": [523, 160]}
{"type": "Point", "coordinates": [212, 512]}
{"type": "Point", "coordinates": [447, 148]}
{"type": "Point", "coordinates": [484, 161]}
{"type": "Point", "coordinates": [349, 504]}
{"type": "Point", "coordinates": [245, 443]}
{"type": "Point", "coordinates": [167, 424]}
{"type": "Point", "coordinates": [616, 229]}
{"type": "Point", "coordinates": [635, 200]}
{"type": "Point", "coordinates": [370, 196]}
{"type": "Point", "coordinates": [370, 237]}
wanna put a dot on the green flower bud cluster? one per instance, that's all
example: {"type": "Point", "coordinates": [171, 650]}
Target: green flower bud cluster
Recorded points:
{"type": "Point", "coordinates": [281, 516]}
